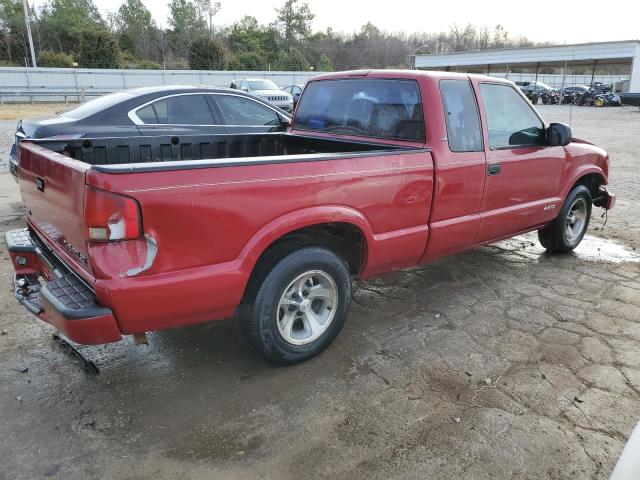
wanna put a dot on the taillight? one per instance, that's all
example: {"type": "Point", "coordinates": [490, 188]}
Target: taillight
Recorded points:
{"type": "Point", "coordinates": [110, 217]}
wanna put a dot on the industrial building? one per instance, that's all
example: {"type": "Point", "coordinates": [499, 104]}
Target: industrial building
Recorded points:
{"type": "Point", "coordinates": [608, 62]}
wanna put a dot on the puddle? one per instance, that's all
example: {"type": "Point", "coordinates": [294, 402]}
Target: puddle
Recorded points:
{"type": "Point", "coordinates": [596, 249]}
{"type": "Point", "coordinates": [526, 249]}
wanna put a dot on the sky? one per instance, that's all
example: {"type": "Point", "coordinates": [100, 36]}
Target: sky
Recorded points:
{"type": "Point", "coordinates": [584, 21]}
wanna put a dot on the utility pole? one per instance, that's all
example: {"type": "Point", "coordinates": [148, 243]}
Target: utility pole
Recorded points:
{"type": "Point", "coordinates": [27, 21]}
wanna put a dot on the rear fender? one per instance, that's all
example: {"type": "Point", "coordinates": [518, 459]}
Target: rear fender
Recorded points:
{"type": "Point", "coordinates": [296, 220]}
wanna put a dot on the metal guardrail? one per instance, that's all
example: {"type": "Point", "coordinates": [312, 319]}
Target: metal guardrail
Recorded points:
{"type": "Point", "coordinates": [20, 84]}
{"type": "Point", "coordinates": [31, 96]}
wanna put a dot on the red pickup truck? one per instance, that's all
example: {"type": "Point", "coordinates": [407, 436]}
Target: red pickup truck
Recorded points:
{"type": "Point", "coordinates": [379, 171]}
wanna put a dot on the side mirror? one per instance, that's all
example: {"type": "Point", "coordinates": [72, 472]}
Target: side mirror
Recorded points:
{"type": "Point", "coordinates": [285, 121]}
{"type": "Point", "coordinates": [558, 135]}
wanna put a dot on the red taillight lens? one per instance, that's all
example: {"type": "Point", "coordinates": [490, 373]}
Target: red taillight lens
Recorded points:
{"type": "Point", "coordinates": [110, 217]}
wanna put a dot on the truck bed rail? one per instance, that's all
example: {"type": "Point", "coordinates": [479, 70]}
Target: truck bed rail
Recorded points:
{"type": "Point", "coordinates": [125, 150]}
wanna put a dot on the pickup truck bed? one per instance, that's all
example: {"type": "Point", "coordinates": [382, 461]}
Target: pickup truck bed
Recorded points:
{"type": "Point", "coordinates": [124, 151]}
{"type": "Point", "coordinates": [202, 248]}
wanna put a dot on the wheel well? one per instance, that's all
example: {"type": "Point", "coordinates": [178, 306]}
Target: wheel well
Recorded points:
{"type": "Point", "coordinates": [592, 181]}
{"type": "Point", "coordinates": [345, 239]}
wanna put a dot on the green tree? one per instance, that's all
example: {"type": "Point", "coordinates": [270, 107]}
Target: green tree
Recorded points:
{"type": "Point", "coordinates": [98, 49]}
{"type": "Point", "coordinates": [294, 22]}
{"type": "Point", "coordinates": [206, 12]}
{"type": "Point", "coordinates": [63, 23]}
{"type": "Point", "coordinates": [186, 23]}
{"type": "Point", "coordinates": [135, 28]}
{"type": "Point", "coordinates": [14, 31]}
{"type": "Point", "coordinates": [47, 58]}
{"type": "Point", "coordinates": [324, 64]}
{"type": "Point", "coordinates": [252, 61]}
{"type": "Point", "coordinates": [292, 60]}
{"type": "Point", "coordinates": [246, 35]}
{"type": "Point", "coordinates": [206, 54]}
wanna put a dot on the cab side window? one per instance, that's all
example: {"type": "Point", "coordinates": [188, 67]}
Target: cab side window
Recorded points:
{"type": "Point", "coordinates": [461, 115]}
{"type": "Point", "coordinates": [510, 120]}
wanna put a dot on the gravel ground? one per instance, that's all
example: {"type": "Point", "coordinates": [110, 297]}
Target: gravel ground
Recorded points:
{"type": "Point", "coordinates": [7, 129]}
{"type": "Point", "coordinates": [503, 362]}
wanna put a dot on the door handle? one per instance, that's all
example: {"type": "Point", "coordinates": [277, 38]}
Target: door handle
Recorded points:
{"type": "Point", "coordinates": [493, 169]}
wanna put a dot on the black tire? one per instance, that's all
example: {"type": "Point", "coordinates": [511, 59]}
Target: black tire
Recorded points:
{"type": "Point", "coordinates": [554, 237]}
{"type": "Point", "coordinates": [258, 316]}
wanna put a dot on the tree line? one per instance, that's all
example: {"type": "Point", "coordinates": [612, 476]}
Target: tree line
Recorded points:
{"type": "Point", "coordinates": [69, 33]}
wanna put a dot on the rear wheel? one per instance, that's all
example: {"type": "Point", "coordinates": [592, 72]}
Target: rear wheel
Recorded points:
{"type": "Point", "coordinates": [298, 306]}
{"type": "Point", "coordinates": [566, 231]}
{"type": "Point", "coordinates": [599, 102]}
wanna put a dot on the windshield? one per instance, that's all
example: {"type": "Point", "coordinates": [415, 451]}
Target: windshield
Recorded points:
{"type": "Point", "coordinates": [96, 105]}
{"type": "Point", "coordinates": [262, 85]}
{"type": "Point", "coordinates": [377, 108]}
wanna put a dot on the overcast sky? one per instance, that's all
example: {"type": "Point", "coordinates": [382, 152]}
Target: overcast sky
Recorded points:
{"type": "Point", "coordinates": [562, 22]}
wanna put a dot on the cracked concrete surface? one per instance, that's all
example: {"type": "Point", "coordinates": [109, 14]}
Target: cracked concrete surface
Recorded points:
{"type": "Point", "coordinates": [503, 362]}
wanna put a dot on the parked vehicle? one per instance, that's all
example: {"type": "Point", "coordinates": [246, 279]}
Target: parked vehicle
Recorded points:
{"type": "Point", "coordinates": [164, 110]}
{"type": "Point", "coordinates": [593, 97]}
{"type": "Point", "coordinates": [536, 87]}
{"type": "Point", "coordinates": [602, 87]}
{"type": "Point", "coordinates": [381, 170]}
{"type": "Point", "coordinates": [266, 90]}
{"type": "Point", "coordinates": [571, 89]}
{"type": "Point", "coordinates": [295, 91]}
{"type": "Point", "coordinates": [535, 90]}
{"type": "Point", "coordinates": [571, 93]}
{"type": "Point", "coordinates": [630, 99]}
{"type": "Point", "coordinates": [551, 97]}
{"type": "Point", "coordinates": [607, 99]}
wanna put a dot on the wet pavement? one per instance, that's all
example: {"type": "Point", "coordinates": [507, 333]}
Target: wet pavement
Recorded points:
{"type": "Point", "coordinates": [503, 362]}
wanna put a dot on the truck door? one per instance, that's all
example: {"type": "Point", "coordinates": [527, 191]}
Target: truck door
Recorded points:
{"type": "Point", "coordinates": [523, 174]}
{"type": "Point", "coordinates": [460, 168]}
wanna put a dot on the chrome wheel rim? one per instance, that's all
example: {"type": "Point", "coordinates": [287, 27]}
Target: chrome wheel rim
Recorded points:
{"type": "Point", "coordinates": [576, 220]}
{"type": "Point", "coordinates": [307, 307]}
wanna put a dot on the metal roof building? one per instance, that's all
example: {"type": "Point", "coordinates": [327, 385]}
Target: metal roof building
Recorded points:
{"type": "Point", "coordinates": [587, 56]}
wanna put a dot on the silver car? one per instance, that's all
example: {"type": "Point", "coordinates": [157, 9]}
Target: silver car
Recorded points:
{"type": "Point", "coordinates": [267, 91]}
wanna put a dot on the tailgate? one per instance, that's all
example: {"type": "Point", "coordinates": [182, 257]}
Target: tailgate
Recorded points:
{"type": "Point", "coordinates": [52, 187]}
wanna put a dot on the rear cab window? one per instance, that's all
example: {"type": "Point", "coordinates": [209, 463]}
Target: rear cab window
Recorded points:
{"type": "Point", "coordinates": [461, 116]}
{"type": "Point", "coordinates": [374, 108]}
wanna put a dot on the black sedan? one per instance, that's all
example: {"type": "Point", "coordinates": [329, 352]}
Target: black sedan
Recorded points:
{"type": "Point", "coordinates": [165, 110]}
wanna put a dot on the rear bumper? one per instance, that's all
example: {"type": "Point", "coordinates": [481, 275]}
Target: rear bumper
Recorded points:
{"type": "Point", "coordinates": [46, 287]}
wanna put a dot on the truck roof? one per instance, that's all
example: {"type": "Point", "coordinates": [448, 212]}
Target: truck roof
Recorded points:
{"type": "Point", "coordinates": [406, 74]}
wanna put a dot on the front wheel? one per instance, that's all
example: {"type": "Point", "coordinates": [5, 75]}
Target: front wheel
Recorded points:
{"type": "Point", "coordinates": [566, 231]}
{"type": "Point", "coordinates": [298, 306]}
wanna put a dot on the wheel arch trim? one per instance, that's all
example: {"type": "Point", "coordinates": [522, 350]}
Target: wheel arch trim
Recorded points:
{"type": "Point", "coordinates": [307, 217]}
{"type": "Point", "coordinates": [578, 174]}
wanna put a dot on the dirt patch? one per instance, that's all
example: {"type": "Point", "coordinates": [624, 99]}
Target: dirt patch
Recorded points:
{"type": "Point", "coordinates": [19, 111]}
